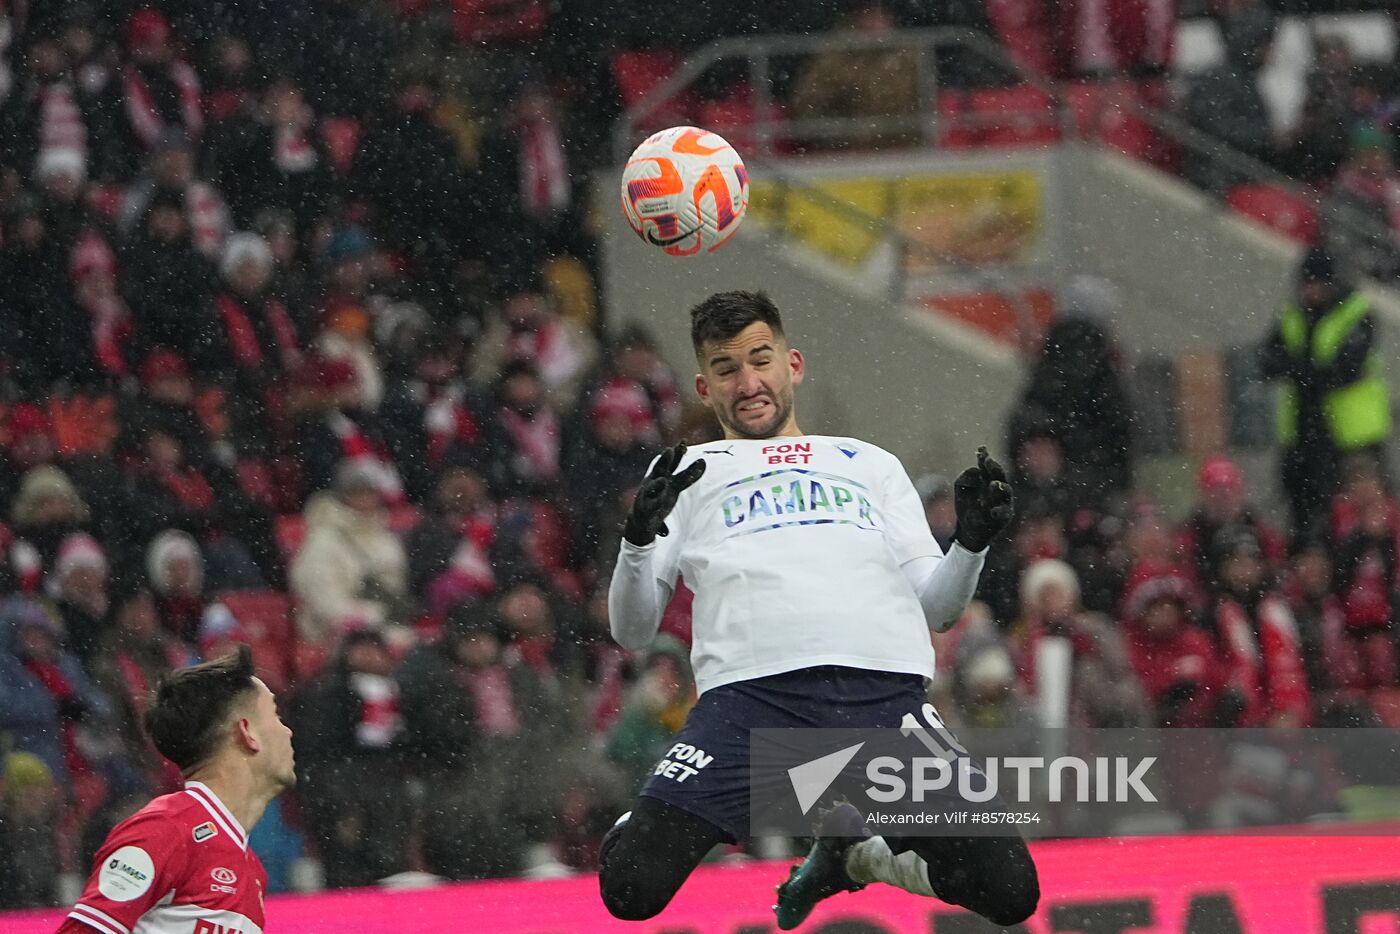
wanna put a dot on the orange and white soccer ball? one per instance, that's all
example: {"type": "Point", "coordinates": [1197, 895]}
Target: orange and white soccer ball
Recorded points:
{"type": "Point", "coordinates": [685, 190]}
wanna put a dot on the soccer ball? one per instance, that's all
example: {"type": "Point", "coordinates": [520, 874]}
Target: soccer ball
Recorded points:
{"type": "Point", "coordinates": [685, 190]}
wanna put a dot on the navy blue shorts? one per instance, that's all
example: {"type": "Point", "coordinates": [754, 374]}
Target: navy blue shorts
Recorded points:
{"type": "Point", "coordinates": [706, 769]}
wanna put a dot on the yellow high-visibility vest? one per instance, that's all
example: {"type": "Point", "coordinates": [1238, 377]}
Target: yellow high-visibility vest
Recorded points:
{"type": "Point", "coordinates": [1357, 414]}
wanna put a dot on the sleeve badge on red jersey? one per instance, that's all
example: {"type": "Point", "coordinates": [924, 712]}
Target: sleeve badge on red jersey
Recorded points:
{"type": "Point", "coordinates": [204, 831]}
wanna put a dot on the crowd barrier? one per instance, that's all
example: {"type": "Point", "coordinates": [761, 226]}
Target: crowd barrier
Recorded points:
{"type": "Point", "coordinates": [1202, 885]}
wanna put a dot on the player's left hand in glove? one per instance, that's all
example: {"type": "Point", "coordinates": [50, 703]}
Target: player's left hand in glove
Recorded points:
{"type": "Point", "coordinates": [657, 496]}
{"type": "Point", "coordinates": [984, 502]}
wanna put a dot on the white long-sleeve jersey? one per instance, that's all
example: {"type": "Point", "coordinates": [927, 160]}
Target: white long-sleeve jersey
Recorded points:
{"type": "Point", "coordinates": [801, 552]}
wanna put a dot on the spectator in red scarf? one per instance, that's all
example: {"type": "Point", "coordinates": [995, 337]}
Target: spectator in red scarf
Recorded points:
{"type": "Point", "coordinates": [47, 110]}
{"type": "Point", "coordinates": [254, 346]}
{"type": "Point", "coordinates": [449, 552]}
{"type": "Point", "coordinates": [1102, 689]}
{"type": "Point", "coordinates": [336, 428]}
{"type": "Point", "coordinates": [535, 629]}
{"type": "Point", "coordinates": [1173, 657]}
{"type": "Point", "coordinates": [527, 174]}
{"type": "Point", "coordinates": [93, 267]}
{"type": "Point", "coordinates": [79, 588]}
{"type": "Point", "coordinates": [354, 796]}
{"type": "Point", "coordinates": [172, 172]}
{"type": "Point", "coordinates": [134, 655]}
{"type": "Point", "coordinates": [529, 439]}
{"type": "Point", "coordinates": [175, 568]}
{"type": "Point", "coordinates": [345, 335]}
{"type": "Point", "coordinates": [431, 417]}
{"type": "Point", "coordinates": [635, 360]}
{"type": "Point", "coordinates": [44, 693]}
{"type": "Point", "coordinates": [528, 330]}
{"type": "Point", "coordinates": [612, 451]}
{"type": "Point", "coordinates": [158, 93]}
{"type": "Point", "coordinates": [276, 161]}
{"type": "Point", "coordinates": [1265, 682]}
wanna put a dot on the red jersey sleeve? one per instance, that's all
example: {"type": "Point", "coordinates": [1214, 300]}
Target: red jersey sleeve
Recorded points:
{"type": "Point", "coordinates": [137, 867]}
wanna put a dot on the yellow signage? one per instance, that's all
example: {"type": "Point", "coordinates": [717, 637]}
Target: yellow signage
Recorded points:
{"type": "Point", "coordinates": [964, 219]}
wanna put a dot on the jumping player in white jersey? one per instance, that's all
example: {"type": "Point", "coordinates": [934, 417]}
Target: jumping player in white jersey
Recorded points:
{"type": "Point", "coordinates": [181, 864]}
{"type": "Point", "coordinates": [816, 583]}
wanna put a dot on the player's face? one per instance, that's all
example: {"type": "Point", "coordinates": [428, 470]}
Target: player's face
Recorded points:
{"type": "Point", "coordinates": [276, 737]}
{"type": "Point", "coordinates": [748, 381]}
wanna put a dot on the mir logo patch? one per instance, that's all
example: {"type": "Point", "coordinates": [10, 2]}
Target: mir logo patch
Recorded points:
{"type": "Point", "coordinates": [204, 831]}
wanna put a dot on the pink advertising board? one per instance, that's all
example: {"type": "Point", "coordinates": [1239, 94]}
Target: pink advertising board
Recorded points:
{"type": "Point", "coordinates": [1254, 885]}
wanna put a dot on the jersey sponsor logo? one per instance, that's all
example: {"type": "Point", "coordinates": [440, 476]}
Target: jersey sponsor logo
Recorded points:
{"type": "Point", "coordinates": [812, 500]}
{"type": "Point", "coordinates": [127, 874]}
{"type": "Point", "coordinates": [223, 875]}
{"type": "Point", "coordinates": [719, 450]}
{"type": "Point", "coordinates": [797, 452]}
{"type": "Point", "coordinates": [682, 761]}
{"type": "Point", "coordinates": [204, 831]}
{"type": "Point", "coordinates": [849, 452]}
{"type": "Point", "coordinates": [209, 927]}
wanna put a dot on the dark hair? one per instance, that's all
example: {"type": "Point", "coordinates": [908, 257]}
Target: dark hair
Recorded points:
{"type": "Point", "coordinates": [724, 314]}
{"type": "Point", "coordinates": [187, 714]}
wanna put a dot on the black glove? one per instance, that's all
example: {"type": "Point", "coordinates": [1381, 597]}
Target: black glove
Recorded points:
{"type": "Point", "coordinates": [983, 501]}
{"type": "Point", "coordinates": [657, 496]}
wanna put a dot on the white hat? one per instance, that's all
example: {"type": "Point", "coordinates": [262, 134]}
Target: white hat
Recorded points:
{"type": "Point", "coordinates": [241, 247]}
{"type": "Point", "coordinates": [1045, 572]}
{"type": "Point", "coordinates": [60, 161]}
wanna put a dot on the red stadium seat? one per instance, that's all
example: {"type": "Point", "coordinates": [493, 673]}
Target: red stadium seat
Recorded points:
{"type": "Point", "coordinates": [83, 425]}
{"type": "Point", "coordinates": [266, 619]}
{"type": "Point", "coordinates": [954, 130]}
{"type": "Point", "coordinates": [636, 73]}
{"type": "Point", "coordinates": [1021, 115]}
{"type": "Point", "coordinates": [736, 119]}
{"type": "Point", "coordinates": [1276, 208]}
{"type": "Point", "coordinates": [1102, 112]}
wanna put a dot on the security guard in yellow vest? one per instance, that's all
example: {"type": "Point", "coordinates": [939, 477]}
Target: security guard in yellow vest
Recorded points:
{"type": "Point", "coordinates": [1334, 400]}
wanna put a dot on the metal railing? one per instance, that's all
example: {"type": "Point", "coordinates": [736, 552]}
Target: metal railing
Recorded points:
{"type": "Point", "coordinates": [758, 57]}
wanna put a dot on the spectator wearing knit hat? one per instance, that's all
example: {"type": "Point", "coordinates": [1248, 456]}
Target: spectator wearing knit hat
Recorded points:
{"type": "Point", "coordinates": [175, 569]}
{"type": "Point", "coordinates": [253, 346]}
{"type": "Point", "coordinates": [1074, 663]}
{"type": "Point", "coordinates": [79, 586]}
{"type": "Point", "coordinates": [607, 457]}
{"type": "Point", "coordinates": [1222, 501]}
{"type": "Point", "coordinates": [46, 111]}
{"type": "Point", "coordinates": [351, 572]}
{"type": "Point", "coordinates": [1175, 660]}
{"type": "Point", "coordinates": [1265, 683]}
{"type": "Point", "coordinates": [156, 93]}
{"type": "Point", "coordinates": [46, 511]}
{"type": "Point", "coordinates": [335, 427]}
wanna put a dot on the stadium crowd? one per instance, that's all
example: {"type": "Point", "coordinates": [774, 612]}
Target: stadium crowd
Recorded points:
{"type": "Point", "coordinates": [303, 348]}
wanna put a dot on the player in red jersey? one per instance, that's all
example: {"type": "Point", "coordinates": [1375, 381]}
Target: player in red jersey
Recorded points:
{"type": "Point", "coordinates": [181, 865]}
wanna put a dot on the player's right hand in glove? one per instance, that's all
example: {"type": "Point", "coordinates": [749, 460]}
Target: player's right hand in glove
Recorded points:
{"type": "Point", "coordinates": [984, 502]}
{"type": "Point", "coordinates": [657, 496]}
